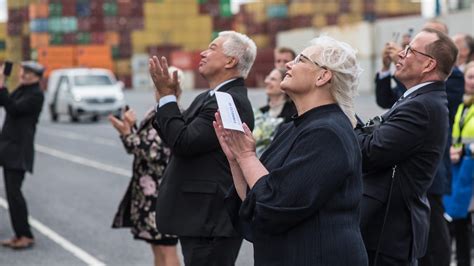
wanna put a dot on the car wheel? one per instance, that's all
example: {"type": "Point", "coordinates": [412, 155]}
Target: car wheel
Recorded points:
{"type": "Point", "coordinates": [53, 114]}
{"type": "Point", "coordinates": [72, 116]}
{"type": "Point", "coordinates": [95, 118]}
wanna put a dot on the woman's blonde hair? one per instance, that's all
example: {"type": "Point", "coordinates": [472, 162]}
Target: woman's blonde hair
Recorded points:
{"type": "Point", "coordinates": [340, 58]}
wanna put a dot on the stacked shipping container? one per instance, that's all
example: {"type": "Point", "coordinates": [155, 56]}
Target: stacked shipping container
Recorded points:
{"type": "Point", "coordinates": [122, 34]}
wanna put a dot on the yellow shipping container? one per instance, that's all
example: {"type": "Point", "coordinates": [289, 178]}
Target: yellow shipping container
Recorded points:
{"type": "Point", "coordinates": [160, 24]}
{"type": "Point", "coordinates": [13, 43]}
{"type": "Point", "coordinates": [152, 9]}
{"type": "Point", "coordinates": [183, 9]}
{"type": "Point", "coordinates": [357, 6]}
{"type": "Point", "coordinates": [3, 30]}
{"type": "Point", "coordinates": [304, 8]}
{"type": "Point", "coordinates": [275, 2]}
{"type": "Point", "coordinates": [261, 40]}
{"type": "Point", "coordinates": [25, 29]}
{"type": "Point", "coordinates": [19, 3]}
{"type": "Point", "coordinates": [330, 7]}
{"type": "Point", "coordinates": [319, 21]}
{"type": "Point", "coordinates": [202, 23]}
{"type": "Point", "coordinates": [258, 10]}
{"type": "Point", "coordinates": [122, 67]}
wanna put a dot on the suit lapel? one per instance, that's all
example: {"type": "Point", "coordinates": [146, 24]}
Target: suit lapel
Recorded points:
{"type": "Point", "coordinates": [196, 104]}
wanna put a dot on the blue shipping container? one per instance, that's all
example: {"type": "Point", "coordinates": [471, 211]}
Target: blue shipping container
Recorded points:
{"type": "Point", "coordinates": [277, 11]}
{"type": "Point", "coordinates": [39, 25]}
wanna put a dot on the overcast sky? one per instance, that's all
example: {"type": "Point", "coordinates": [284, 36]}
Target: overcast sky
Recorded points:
{"type": "Point", "coordinates": [3, 10]}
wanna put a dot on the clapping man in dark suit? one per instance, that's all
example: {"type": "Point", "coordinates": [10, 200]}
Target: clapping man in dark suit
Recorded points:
{"type": "Point", "coordinates": [23, 107]}
{"type": "Point", "coordinates": [191, 199]}
{"type": "Point", "coordinates": [401, 156]}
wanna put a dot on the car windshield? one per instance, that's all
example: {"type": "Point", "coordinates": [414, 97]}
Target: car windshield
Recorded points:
{"type": "Point", "coordinates": [92, 80]}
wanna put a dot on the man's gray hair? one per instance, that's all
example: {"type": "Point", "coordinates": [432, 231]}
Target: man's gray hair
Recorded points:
{"type": "Point", "coordinates": [340, 58]}
{"type": "Point", "coordinates": [241, 47]}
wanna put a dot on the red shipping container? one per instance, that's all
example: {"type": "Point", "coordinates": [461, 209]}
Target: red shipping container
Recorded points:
{"type": "Point", "coordinates": [125, 37]}
{"type": "Point", "coordinates": [69, 38]}
{"type": "Point", "coordinates": [14, 28]}
{"type": "Point", "coordinates": [126, 79]}
{"type": "Point", "coordinates": [69, 9]}
{"type": "Point", "coordinates": [301, 22]}
{"type": "Point", "coordinates": [111, 23]}
{"type": "Point", "coordinates": [97, 37]}
{"type": "Point", "coordinates": [83, 24]}
{"type": "Point", "coordinates": [124, 8]}
{"type": "Point", "coordinates": [221, 24]}
{"type": "Point", "coordinates": [211, 9]}
{"type": "Point", "coordinates": [332, 19]}
{"type": "Point", "coordinates": [276, 25]}
{"type": "Point", "coordinates": [136, 9]}
{"type": "Point", "coordinates": [96, 23]}
{"type": "Point", "coordinates": [162, 50]}
{"type": "Point", "coordinates": [185, 60]}
{"type": "Point", "coordinates": [125, 50]}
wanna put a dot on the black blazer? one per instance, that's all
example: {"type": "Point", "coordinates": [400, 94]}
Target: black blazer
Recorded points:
{"type": "Point", "coordinates": [23, 107]}
{"type": "Point", "coordinates": [386, 97]}
{"type": "Point", "coordinates": [191, 198]}
{"type": "Point", "coordinates": [413, 137]}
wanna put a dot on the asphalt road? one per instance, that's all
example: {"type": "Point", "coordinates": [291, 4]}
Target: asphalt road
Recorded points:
{"type": "Point", "coordinates": [81, 172]}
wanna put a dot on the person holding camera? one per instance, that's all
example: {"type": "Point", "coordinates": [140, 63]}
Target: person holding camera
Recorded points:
{"type": "Point", "coordinates": [23, 107]}
{"type": "Point", "coordinates": [400, 157]}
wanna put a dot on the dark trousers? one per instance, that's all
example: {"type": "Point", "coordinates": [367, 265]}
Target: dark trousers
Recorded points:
{"type": "Point", "coordinates": [16, 202]}
{"type": "Point", "coordinates": [383, 260]}
{"type": "Point", "coordinates": [210, 251]}
{"type": "Point", "coordinates": [438, 251]}
{"type": "Point", "coordinates": [461, 232]}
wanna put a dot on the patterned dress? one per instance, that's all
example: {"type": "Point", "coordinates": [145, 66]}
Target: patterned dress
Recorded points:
{"type": "Point", "coordinates": [137, 208]}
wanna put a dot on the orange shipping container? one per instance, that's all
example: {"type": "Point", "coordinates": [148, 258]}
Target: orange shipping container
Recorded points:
{"type": "Point", "coordinates": [112, 38]}
{"type": "Point", "coordinates": [39, 40]}
{"type": "Point", "coordinates": [38, 10]}
{"type": "Point", "coordinates": [92, 50]}
{"type": "Point", "coordinates": [63, 55]}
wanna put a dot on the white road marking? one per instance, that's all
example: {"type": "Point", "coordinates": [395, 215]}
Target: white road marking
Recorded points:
{"type": "Point", "coordinates": [84, 161]}
{"type": "Point", "coordinates": [75, 136]}
{"type": "Point", "coordinates": [61, 241]}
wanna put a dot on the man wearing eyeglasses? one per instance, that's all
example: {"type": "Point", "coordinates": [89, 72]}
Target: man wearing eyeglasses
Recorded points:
{"type": "Point", "coordinates": [401, 156]}
{"type": "Point", "coordinates": [439, 243]}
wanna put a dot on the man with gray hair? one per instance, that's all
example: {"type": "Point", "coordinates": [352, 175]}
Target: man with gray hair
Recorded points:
{"type": "Point", "coordinates": [191, 199]}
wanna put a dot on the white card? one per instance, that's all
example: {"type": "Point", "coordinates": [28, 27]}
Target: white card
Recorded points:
{"type": "Point", "coordinates": [230, 116]}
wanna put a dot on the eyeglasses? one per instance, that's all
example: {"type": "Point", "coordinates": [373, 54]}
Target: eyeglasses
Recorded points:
{"type": "Point", "coordinates": [408, 48]}
{"type": "Point", "coordinates": [299, 58]}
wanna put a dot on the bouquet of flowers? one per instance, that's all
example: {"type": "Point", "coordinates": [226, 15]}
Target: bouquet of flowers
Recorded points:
{"type": "Point", "coordinates": [264, 131]}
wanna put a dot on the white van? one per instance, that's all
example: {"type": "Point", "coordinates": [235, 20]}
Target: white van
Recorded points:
{"type": "Point", "coordinates": [78, 92]}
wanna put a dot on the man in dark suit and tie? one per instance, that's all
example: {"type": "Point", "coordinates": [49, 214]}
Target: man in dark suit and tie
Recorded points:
{"type": "Point", "coordinates": [401, 156]}
{"type": "Point", "coordinates": [439, 242]}
{"type": "Point", "coordinates": [191, 199]}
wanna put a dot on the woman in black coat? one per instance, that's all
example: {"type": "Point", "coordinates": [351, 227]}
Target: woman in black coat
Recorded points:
{"type": "Point", "coordinates": [299, 205]}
